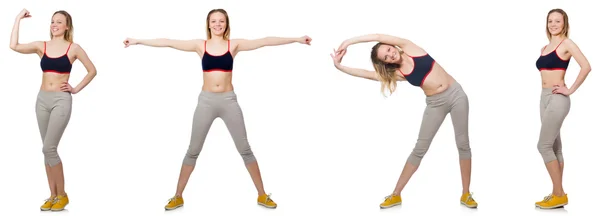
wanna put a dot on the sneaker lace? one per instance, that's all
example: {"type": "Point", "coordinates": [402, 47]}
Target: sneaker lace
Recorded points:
{"type": "Point", "coordinates": [172, 199]}
{"type": "Point", "coordinates": [470, 197]}
{"type": "Point", "coordinates": [547, 198]}
{"type": "Point", "coordinates": [388, 197]}
{"type": "Point", "coordinates": [268, 199]}
{"type": "Point", "coordinates": [52, 200]}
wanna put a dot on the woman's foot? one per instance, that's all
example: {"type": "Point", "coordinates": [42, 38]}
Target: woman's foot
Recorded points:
{"type": "Point", "coordinates": [266, 201]}
{"type": "Point", "coordinates": [48, 203]}
{"type": "Point", "coordinates": [552, 201]}
{"type": "Point", "coordinates": [61, 201]}
{"type": "Point", "coordinates": [174, 202]}
{"type": "Point", "coordinates": [467, 200]}
{"type": "Point", "coordinates": [391, 201]}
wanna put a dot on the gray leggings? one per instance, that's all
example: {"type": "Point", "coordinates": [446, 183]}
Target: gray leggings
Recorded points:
{"type": "Point", "coordinates": [554, 108]}
{"type": "Point", "coordinates": [53, 110]}
{"type": "Point", "coordinates": [454, 101]}
{"type": "Point", "coordinates": [218, 105]}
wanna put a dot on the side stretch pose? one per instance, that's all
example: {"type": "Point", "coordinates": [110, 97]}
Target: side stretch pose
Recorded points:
{"type": "Point", "coordinates": [53, 105]}
{"type": "Point", "coordinates": [397, 59]}
{"type": "Point", "coordinates": [555, 102]}
{"type": "Point", "coordinates": [217, 99]}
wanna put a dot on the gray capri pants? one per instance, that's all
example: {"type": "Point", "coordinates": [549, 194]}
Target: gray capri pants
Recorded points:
{"type": "Point", "coordinates": [212, 105]}
{"type": "Point", "coordinates": [454, 101]}
{"type": "Point", "coordinates": [554, 108]}
{"type": "Point", "coordinates": [53, 111]}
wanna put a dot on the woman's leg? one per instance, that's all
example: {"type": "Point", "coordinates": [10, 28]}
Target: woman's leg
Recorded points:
{"type": "Point", "coordinates": [233, 117]}
{"type": "Point", "coordinates": [556, 108]}
{"type": "Point", "coordinates": [460, 120]}
{"type": "Point", "coordinates": [433, 117]}
{"type": "Point", "coordinates": [60, 114]}
{"type": "Point", "coordinates": [204, 116]}
{"type": "Point", "coordinates": [43, 116]}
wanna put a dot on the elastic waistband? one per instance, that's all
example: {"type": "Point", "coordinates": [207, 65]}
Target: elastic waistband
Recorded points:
{"type": "Point", "coordinates": [217, 94]}
{"type": "Point", "coordinates": [454, 87]}
{"type": "Point", "coordinates": [54, 93]}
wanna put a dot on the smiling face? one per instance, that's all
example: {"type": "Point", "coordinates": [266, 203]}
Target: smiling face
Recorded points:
{"type": "Point", "coordinates": [61, 25]}
{"type": "Point", "coordinates": [557, 23]}
{"type": "Point", "coordinates": [388, 54]}
{"type": "Point", "coordinates": [217, 24]}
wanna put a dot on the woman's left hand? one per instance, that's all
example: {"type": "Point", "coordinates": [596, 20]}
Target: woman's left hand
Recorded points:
{"type": "Point", "coordinates": [561, 90]}
{"type": "Point", "coordinates": [66, 87]}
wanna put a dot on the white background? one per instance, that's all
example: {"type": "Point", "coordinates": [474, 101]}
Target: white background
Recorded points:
{"type": "Point", "coordinates": [327, 143]}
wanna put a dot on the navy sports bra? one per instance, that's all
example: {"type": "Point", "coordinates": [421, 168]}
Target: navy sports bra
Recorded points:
{"type": "Point", "coordinates": [552, 61]}
{"type": "Point", "coordinates": [423, 66]}
{"type": "Point", "coordinates": [221, 63]}
{"type": "Point", "coordinates": [60, 64]}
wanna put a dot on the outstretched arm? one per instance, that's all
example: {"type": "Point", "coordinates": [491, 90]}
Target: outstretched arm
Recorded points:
{"type": "Point", "coordinates": [27, 48]}
{"type": "Point", "coordinates": [584, 64]}
{"type": "Point", "coordinates": [82, 56]}
{"type": "Point", "coordinates": [383, 38]}
{"type": "Point", "coordinates": [249, 45]}
{"type": "Point", "coordinates": [183, 45]}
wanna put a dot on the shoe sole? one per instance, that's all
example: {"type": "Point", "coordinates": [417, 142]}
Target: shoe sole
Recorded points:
{"type": "Point", "coordinates": [44, 209]}
{"type": "Point", "coordinates": [390, 206]}
{"type": "Point", "coordinates": [468, 206]}
{"type": "Point", "coordinates": [552, 207]}
{"type": "Point", "coordinates": [176, 207]}
{"type": "Point", "coordinates": [266, 206]}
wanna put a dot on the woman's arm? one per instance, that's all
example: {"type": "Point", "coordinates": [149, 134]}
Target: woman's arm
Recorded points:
{"type": "Point", "coordinates": [249, 45]}
{"type": "Point", "coordinates": [383, 38]}
{"type": "Point", "coordinates": [356, 72]}
{"type": "Point", "coordinates": [27, 48]}
{"type": "Point", "coordinates": [183, 45]}
{"type": "Point", "coordinates": [89, 66]}
{"type": "Point", "coordinates": [583, 64]}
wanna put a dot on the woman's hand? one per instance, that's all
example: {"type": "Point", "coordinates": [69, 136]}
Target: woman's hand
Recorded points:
{"type": "Point", "coordinates": [66, 87]}
{"type": "Point", "coordinates": [337, 57]}
{"type": "Point", "coordinates": [130, 41]}
{"type": "Point", "coordinates": [343, 46]}
{"type": "Point", "coordinates": [561, 90]}
{"type": "Point", "coordinates": [23, 14]}
{"type": "Point", "coordinates": [305, 40]}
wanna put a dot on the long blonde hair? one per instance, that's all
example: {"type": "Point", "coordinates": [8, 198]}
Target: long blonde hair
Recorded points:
{"type": "Point", "coordinates": [565, 31]}
{"type": "Point", "coordinates": [385, 71]}
{"type": "Point", "coordinates": [227, 28]}
{"type": "Point", "coordinates": [68, 36]}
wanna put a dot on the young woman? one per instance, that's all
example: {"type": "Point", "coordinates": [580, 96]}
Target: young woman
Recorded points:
{"type": "Point", "coordinates": [397, 59]}
{"type": "Point", "coordinates": [53, 105]}
{"type": "Point", "coordinates": [555, 102]}
{"type": "Point", "coordinates": [217, 99]}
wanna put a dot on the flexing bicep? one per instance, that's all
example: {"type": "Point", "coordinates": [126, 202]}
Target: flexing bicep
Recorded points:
{"type": "Point", "coordinates": [574, 50]}
{"type": "Point", "coordinates": [29, 48]}
{"type": "Point", "coordinates": [82, 56]}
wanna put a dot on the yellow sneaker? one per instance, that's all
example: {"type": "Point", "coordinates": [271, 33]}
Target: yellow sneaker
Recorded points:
{"type": "Point", "coordinates": [551, 201]}
{"type": "Point", "coordinates": [391, 201]}
{"type": "Point", "coordinates": [174, 202]}
{"type": "Point", "coordinates": [467, 200]}
{"type": "Point", "coordinates": [266, 201]}
{"type": "Point", "coordinates": [60, 203]}
{"type": "Point", "coordinates": [48, 204]}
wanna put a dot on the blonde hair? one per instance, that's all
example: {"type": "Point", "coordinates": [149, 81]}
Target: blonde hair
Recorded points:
{"type": "Point", "coordinates": [68, 36]}
{"type": "Point", "coordinates": [565, 31]}
{"type": "Point", "coordinates": [227, 28]}
{"type": "Point", "coordinates": [385, 71]}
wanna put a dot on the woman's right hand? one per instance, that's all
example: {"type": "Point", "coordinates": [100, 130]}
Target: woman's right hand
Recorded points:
{"type": "Point", "coordinates": [337, 56]}
{"type": "Point", "coordinates": [130, 41]}
{"type": "Point", "coordinates": [23, 14]}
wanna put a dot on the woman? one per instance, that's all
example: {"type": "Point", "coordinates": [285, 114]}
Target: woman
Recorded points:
{"type": "Point", "coordinates": [53, 105]}
{"type": "Point", "coordinates": [555, 102]}
{"type": "Point", "coordinates": [218, 99]}
{"type": "Point", "coordinates": [397, 59]}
